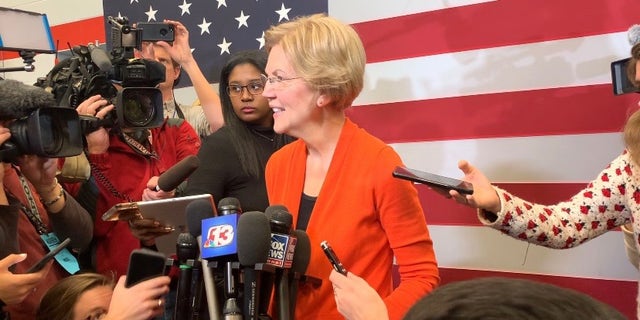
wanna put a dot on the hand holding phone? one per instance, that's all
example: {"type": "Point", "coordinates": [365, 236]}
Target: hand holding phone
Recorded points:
{"type": "Point", "coordinates": [43, 262]}
{"type": "Point", "coordinates": [441, 183]}
{"type": "Point", "coordinates": [333, 258]}
{"type": "Point", "coordinates": [144, 264]}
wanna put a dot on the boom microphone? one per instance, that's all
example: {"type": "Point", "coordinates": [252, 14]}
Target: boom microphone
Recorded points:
{"type": "Point", "coordinates": [100, 57]}
{"type": "Point", "coordinates": [197, 211]}
{"type": "Point", "coordinates": [178, 173]}
{"type": "Point", "coordinates": [254, 241]}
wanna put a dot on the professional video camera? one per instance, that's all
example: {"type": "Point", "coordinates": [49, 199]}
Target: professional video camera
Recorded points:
{"type": "Point", "coordinates": [128, 83]}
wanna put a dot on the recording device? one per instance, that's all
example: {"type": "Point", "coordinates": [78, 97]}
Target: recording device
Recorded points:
{"type": "Point", "coordinates": [230, 206]}
{"type": "Point", "coordinates": [196, 212]}
{"type": "Point", "coordinates": [299, 266]}
{"type": "Point", "coordinates": [254, 243]}
{"type": "Point", "coordinates": [187, 252]}
{"type": "Point", "coordinates": [433, 180]}
{"type": "Point", "coordinates": [38, 127]}
{"type": "Point", "coordinates": [144, 264]}
{"type": "Point", "coordinates": [50, 255]}
{"type": "Point", "coordinates": [333, 258]}
{"type": "Point", "coordinates": [91, 71]}
{"type": "Point", "coordinates": [620, 81]}
{"type": "Point", "coordinates": [177, 174]}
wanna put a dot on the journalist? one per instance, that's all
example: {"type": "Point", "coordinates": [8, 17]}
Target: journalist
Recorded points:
{"type": "Point", "coordinates": [36, 212]}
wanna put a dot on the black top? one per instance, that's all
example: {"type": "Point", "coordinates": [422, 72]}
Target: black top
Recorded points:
{"type": "Point", "coordinates": [304, 215]}
{"type": "Point", "coordinates": [220, 172]}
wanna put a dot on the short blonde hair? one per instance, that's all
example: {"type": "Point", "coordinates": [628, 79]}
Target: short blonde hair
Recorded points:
{"type": "Point", "coordinates": [632, 137]}
{"type": "Point", "coordinates": [325, 52]}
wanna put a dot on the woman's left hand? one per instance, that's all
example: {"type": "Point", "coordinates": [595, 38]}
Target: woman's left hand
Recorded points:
{"type": "Point", "coordinates": [40, 171]}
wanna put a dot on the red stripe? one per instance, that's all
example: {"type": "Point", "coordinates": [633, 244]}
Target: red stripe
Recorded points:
{"type": "Point", "coordinates": [492, 24]}
{"type": "Point", "coordinates": [442, 211]}
{"type": "Point", "coordinates": [619, 294]}
{"type": "Point", "coordinates": [557, 111]}
{"type": "Point", "coordinates": [72, 33]}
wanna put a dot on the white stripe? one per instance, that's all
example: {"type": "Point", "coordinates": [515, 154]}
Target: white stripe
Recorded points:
{"type": "Point", "coordinates": [551, 64]}
{"type": "Point", "coordinates": [59, 11]}
{"type": "Point", "coordinates": [354, 11]}
{"type": "Point", "coordinates": [482, 248]}
{"type": "Point", "coordinates": [562, 158]}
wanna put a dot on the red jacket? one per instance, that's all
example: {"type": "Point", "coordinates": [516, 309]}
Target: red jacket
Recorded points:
{"type": "Point", "coordinates": [129, 173]}
{"type": "Point", "coordinates": [368, 217]}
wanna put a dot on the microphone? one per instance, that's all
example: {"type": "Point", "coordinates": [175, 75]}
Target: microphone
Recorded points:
{"type": "Point", "coordinates": [100, 57]}
{"type": "Point", "coordinates": [196, 212]}
{"type": "Point", "coordinates": [187, 252]}
{"type": "Point", "coordinates": [299, 266]}
{"type": "Point", "coordinates": [178, 173]}
{"type": "Point", "coordinates": [230, 206]}
{"type": "Point", "coordinates": [254, 242]}
{"type": "Point", "coordinates": [281, 254]}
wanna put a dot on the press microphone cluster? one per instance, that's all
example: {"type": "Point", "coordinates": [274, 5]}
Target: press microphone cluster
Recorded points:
{"type": "Point", "coordinates": [260, 251]}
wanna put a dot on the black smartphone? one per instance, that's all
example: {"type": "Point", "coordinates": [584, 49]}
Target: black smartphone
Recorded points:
{"type": "Point", "coordinates": [40, 264]}
{"type": "Point", "coordinates": [144, 264]}
{"type": "Point", "coordinates": [155, 31]}
{"type": "Point", "coordinates": [333, 258]}
{"type": "Point", "coordinates": [433, 180]}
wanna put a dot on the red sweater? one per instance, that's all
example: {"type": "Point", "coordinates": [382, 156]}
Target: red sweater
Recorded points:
{"type": "Point", "coordinates": [129, 173]}
{"type": "Point", "coordinates": [368, 217]}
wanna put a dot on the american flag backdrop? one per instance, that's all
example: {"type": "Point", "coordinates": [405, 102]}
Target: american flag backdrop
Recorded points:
{"type": "Point", "coordinates": [520, 88]}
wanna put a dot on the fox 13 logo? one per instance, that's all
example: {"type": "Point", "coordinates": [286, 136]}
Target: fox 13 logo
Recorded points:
{"type": "Point", "coordinates": [219, 236]}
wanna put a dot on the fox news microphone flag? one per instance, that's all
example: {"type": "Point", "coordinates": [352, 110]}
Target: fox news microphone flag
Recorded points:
{"type": "Point", "coordinates": [217, 29]}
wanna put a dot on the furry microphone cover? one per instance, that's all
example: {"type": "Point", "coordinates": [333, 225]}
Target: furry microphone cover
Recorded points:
{"type": "Point", "coordinates": [18, 100]}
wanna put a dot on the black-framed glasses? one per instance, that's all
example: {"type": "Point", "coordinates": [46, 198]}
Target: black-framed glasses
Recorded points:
{"type": "Point", "coordinates": [275, 79]}
{"type": "Point", "coordinates": [254, 88]}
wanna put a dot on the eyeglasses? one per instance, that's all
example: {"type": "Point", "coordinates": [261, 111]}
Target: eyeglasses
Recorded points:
{"type": "Point", "coordinates": [275, 79]}
{"type": "Point", "coordinates": [254, 88]}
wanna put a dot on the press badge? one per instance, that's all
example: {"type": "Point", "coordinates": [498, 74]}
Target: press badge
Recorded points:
{"type": "Point", "coordinates": [64, 258]}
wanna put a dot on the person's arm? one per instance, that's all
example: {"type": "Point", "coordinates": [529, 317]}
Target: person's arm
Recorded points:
{"type": "Point", "coordinates": [596, 209]}
{"type": "Point", "coordinates": [180, 51]}
{"type": "Point", "coordinates": [631, 244]}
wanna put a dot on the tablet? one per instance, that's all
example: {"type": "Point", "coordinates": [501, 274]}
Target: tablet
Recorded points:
{"type": "Point", "coordinates": [169, 212]}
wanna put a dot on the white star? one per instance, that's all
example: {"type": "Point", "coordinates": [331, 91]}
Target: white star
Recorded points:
{"type": "Point", "coordinates": [224, 46]}
{"type": "Point", "coordinates": [222, 3]}
{"type": "Point", "coordinates": [151, 14]}
{"type": "Point", "coordinates": [283, 13]}
{"type": "Point", "coordinates": [204, 26]}
{"type": "Point", "coordinates": [261, 40]}
{"type": "Point", "coordinates": [242, 20]}
{"type": "Point", "coordinates": [184, 7]}
{"type": "Point", "coordinates": [132, 1]}
{"type": "Point", "coordinates": [119, 16]}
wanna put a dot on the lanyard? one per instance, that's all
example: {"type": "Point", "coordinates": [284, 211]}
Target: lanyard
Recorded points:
{"type": "Point", "coordinates": [32, 213]}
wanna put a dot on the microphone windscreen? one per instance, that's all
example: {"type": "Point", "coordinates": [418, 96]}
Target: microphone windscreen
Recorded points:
{"type": "Point", "coordinates": [254, 238]}
{"type": "Point", "coordinates": [179, 172]}
{"type": "Point", "coordinates": [186, 247]}
{"type": "Point", "coordinates": [280, 218]}
{"type": "Point", "coordinates": [229, 204]}
{"type": "Point", "coordinates": [100, 58]}
{"type": "Point", "coordinates": [19, 100]}
{"type": "Point", "coordinates": [197, 211]}
{"type": "Point", "coordinates": [302, 254]}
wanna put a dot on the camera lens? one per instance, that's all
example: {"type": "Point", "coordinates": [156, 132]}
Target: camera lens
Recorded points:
{"type": "Point", "coordinates": [163, 32]}
{"type": "Point", "coordinates": [138, 109]}
{"type": "Point", "coordinates": [53, 136]}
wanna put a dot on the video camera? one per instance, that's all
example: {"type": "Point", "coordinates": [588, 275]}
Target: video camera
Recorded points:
{"type": "Point", "coordinates": [128, 83]}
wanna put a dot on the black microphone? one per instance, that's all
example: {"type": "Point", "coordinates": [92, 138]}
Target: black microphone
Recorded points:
{"type": "Point", "coordinates": [281, 254]}
{"type": "Point", "coordinates": [230, 310]}
{"type": "Point", "coordinates": [197, 211]}
{"type": "Point", "coordinates": [178, 173]}
{"type": "Point", "coordinates": [254, 241]}
{"type": "Point", "coordinates": [187, 252]}
{"type": "Point", "coordinates": [100, 57]}
{"type": "Point", "coordinates": [299, 266]}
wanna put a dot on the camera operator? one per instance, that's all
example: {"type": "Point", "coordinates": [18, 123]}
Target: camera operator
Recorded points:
{"type": "Point", "coordinates": [34, 210]}
{"type": "Point", "coordinates": [125, 163]}
{"type": "Point", "coordinates": [206, 117]}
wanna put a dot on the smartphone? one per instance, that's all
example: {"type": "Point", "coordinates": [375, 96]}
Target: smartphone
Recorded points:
{"type": "Point", "coordinates": [155, 31]}
{"type": "Point", "coordinates": [43, 262]}
{"type": "Point", "coordinates": [333, 258]}
{"type": "Point", "coordinates": [144, 264]}
{"type": "Point", "coordinates": [433, 180]}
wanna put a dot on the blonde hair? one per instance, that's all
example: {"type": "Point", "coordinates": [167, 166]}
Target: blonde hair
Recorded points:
{"type": "Point", "coordinates": [59, 301]}
{"type": "Point", "coordinates": [632, 136]}
{"type": "Point", "coordinates": [325, 52]}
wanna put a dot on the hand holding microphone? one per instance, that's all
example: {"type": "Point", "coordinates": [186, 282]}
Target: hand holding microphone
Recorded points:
{"type": "Point", "coordinates": [163, 186]}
